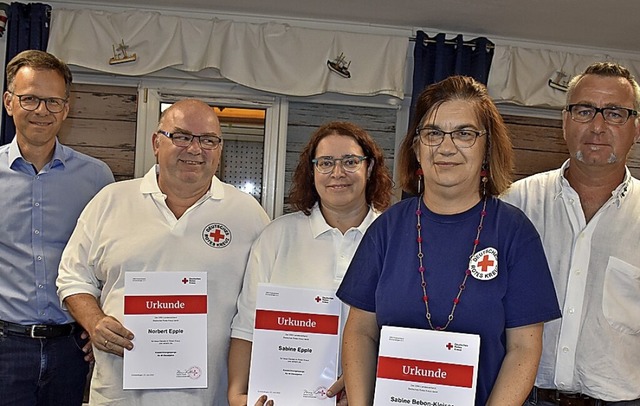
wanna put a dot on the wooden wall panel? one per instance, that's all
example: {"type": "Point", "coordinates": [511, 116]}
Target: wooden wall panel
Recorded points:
{"type": "Point", "coordinates": [104, 102]}
{"type": "Point", "coordinates": [99, 133]}
{"type": "Point", "coordinates": [121, 161]}
{"type": "Point", "coordinates": [529, 162]}
{"type": "Point", "coordinates": [539, 146]}
{"type": "Point", "coordinates": [102, 123]}
{"type": "Point", "coordinates": [537, 143]}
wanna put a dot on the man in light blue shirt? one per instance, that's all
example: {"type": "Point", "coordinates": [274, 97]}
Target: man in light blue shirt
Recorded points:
{"type": "Point", "coordinates": [43, 188]}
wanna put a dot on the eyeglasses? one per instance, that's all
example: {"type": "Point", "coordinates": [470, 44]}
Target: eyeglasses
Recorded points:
{"type": "Point", "coordinates": [585, 113]}
{"type": "Point", "coordinates": [183, 140]}
{"type": "Point", "coordinates": [30, 102]}
{"type": "Point", "coordinates": [432, 137]}
{"type": "Point", "coordinates": [350, 163]}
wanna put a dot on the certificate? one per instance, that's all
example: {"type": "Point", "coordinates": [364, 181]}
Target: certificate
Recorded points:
{"type": "Point", "coordinates": [167, 313]}
{"type": "Point", "coordinates": [294, 357]}
{"type": "Point", "coordinates": [426, 367]}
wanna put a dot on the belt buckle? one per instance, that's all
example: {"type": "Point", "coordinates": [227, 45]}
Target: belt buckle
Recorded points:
{"type": "Point", "coordinates": [32, 331]}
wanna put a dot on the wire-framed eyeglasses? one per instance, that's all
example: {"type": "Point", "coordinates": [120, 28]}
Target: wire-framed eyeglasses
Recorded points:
{"type": "Point", "coordinates": [585, 113]}
{"type": "Point", "coordinates": [183, 140]}
{"type": "Point", "coordinates": [30, 102]}
{"type": "Point", "coordinates": [350, 163]}
{"type": "Point", "coordinates": [464, 138]}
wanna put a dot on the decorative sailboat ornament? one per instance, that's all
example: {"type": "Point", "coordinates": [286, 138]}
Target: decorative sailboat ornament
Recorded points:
{"type": "Point", "coordinates": [120, 54]}
{"type": "Point", "coordinates": [340, 66]}
{"type": "Point", "coordinates": [559, 83]}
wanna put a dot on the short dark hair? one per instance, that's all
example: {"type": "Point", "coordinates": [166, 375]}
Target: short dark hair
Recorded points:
{"type": "Point", "coordinates": [499, 153]}
{"type": "Point", "coordinates": [303, 195]}
{"type": "Point", "coordinates": [610, 69]}
{"type": "Point", "coordinates": [38, 60]}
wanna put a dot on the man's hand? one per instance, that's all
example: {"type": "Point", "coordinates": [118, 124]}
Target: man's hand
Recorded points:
{"type": "Point", "coordinates": [88, 347]}
{"type": "Point", "coordinates": [111, 336]}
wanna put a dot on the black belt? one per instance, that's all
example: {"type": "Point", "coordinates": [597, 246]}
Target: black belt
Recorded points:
{"type": "Point", "coordinates": [563, 398]}
{"type": "Point", "coordinates": [39, 330]}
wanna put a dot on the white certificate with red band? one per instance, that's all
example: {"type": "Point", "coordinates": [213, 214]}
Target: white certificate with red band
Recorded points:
{"type": "Point", "coordinates": [294, 357]}
{"type": "Point", "coordinates": [426, 367]}
{"type": "Point", "coordinates": [167, 313]}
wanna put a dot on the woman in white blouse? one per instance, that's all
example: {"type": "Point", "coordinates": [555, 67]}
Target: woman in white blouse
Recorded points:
{"type": "Point", "coordinates": [339, 187]}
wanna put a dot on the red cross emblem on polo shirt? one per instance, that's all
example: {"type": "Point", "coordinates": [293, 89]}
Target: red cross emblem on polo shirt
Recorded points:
{"type": "Point", "coordinates": [318, 299]}
{"type": "Point", "coordinates": [449, 346]}
{"type": "Point", "coordinates": [185, 280]}
{"type": "Point", "coordinates": [485, 263]}
{"type": "Point", "coordinates": [217, 235]}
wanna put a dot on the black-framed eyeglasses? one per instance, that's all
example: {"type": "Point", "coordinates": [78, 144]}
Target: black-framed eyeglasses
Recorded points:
{"type": "Point", "coordinates": [464, 138]}
{"type": "Point", "coordinates": [585, 113]}
{"type": "Point", "coordinates": [183, 140]}
{"type": "Point", "coordinates": [350, 163]}
{"type": "Point", "coordinates": [30, 102]}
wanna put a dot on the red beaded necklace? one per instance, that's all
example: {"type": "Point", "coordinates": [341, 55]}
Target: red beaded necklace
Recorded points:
{"type": "Point", "coordinates": [421, 268]}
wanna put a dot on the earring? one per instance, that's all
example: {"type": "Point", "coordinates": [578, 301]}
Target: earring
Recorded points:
{"type": "Point", "coordinates": [484, 178]}
{"type": "Point", "coordinates": [419, 174]}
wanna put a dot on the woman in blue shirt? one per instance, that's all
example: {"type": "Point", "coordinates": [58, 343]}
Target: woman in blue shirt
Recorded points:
{"type": "Point", "coordinates": [454, 257]}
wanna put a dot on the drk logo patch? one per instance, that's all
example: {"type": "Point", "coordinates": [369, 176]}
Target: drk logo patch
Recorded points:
{"type": "Point", "coordinates": [216, 235]}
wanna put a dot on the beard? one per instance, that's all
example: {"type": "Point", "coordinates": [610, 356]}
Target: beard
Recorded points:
{"type": "Point", "coordinates": [613, 158]}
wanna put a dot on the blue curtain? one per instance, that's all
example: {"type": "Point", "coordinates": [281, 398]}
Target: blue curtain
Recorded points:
{"type": "Point", "coordinates": [28, 28]}
{"type": "Point", "coordinates": [438, 58]}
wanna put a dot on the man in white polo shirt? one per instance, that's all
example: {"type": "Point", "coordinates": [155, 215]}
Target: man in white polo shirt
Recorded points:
{"type": "Point", "coordinates": [179, 217]}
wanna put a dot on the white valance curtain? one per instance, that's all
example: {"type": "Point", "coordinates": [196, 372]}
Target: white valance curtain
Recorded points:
{"type": "Point", "coordinates": [271, 57]}
{"type": "Point", "coordinates": [521, 75]}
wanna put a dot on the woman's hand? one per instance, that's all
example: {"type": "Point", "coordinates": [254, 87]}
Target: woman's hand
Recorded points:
{"type": "Point", "coordinates": [338, 390]}
{"type": "Point", "coordinates": [262, 401]}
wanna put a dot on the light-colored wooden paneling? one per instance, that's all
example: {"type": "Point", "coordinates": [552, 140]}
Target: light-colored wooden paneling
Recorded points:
{"type": "Point", "coordinates": [102, 124]}
{"type": "Point", "coordinates": [98, 133]}
{"type": "Point", "coordinates": [112, 103]}
{"type": "Point", "coordinates": [119, 160]}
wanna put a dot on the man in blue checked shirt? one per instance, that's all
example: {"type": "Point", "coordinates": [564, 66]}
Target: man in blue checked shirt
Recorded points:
{"type": "Point", "coordinates": [43, 188]}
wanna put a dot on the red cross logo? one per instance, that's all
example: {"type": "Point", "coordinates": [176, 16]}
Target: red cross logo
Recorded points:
{"type": "Point", "coordinates": [449, 346]}
{"type": "Point", "coordinates": [185, 280]}
{"type": "Point", "coordinates": [217, 235]}
{"type": "Point", "coordinates": [485, 263]}
{"type": "Point", "coordinates": [318, 299]}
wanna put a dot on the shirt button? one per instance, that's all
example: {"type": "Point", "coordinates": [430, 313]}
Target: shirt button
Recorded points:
{"type": "Point", "coordinates": [572, 310]}
{"type": "Point", "coordinates": [37, 204]}
{"type": "Point", "coordinates": [565, 349]}
{"type": "Point", "coordinates": [37, 232]}
{"type": "Point", "coordinates": [577, 272]}
{"type": "Point", "coordinates": [41, 286]}
{"type": "Point", "coordinates": [39, 258]}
